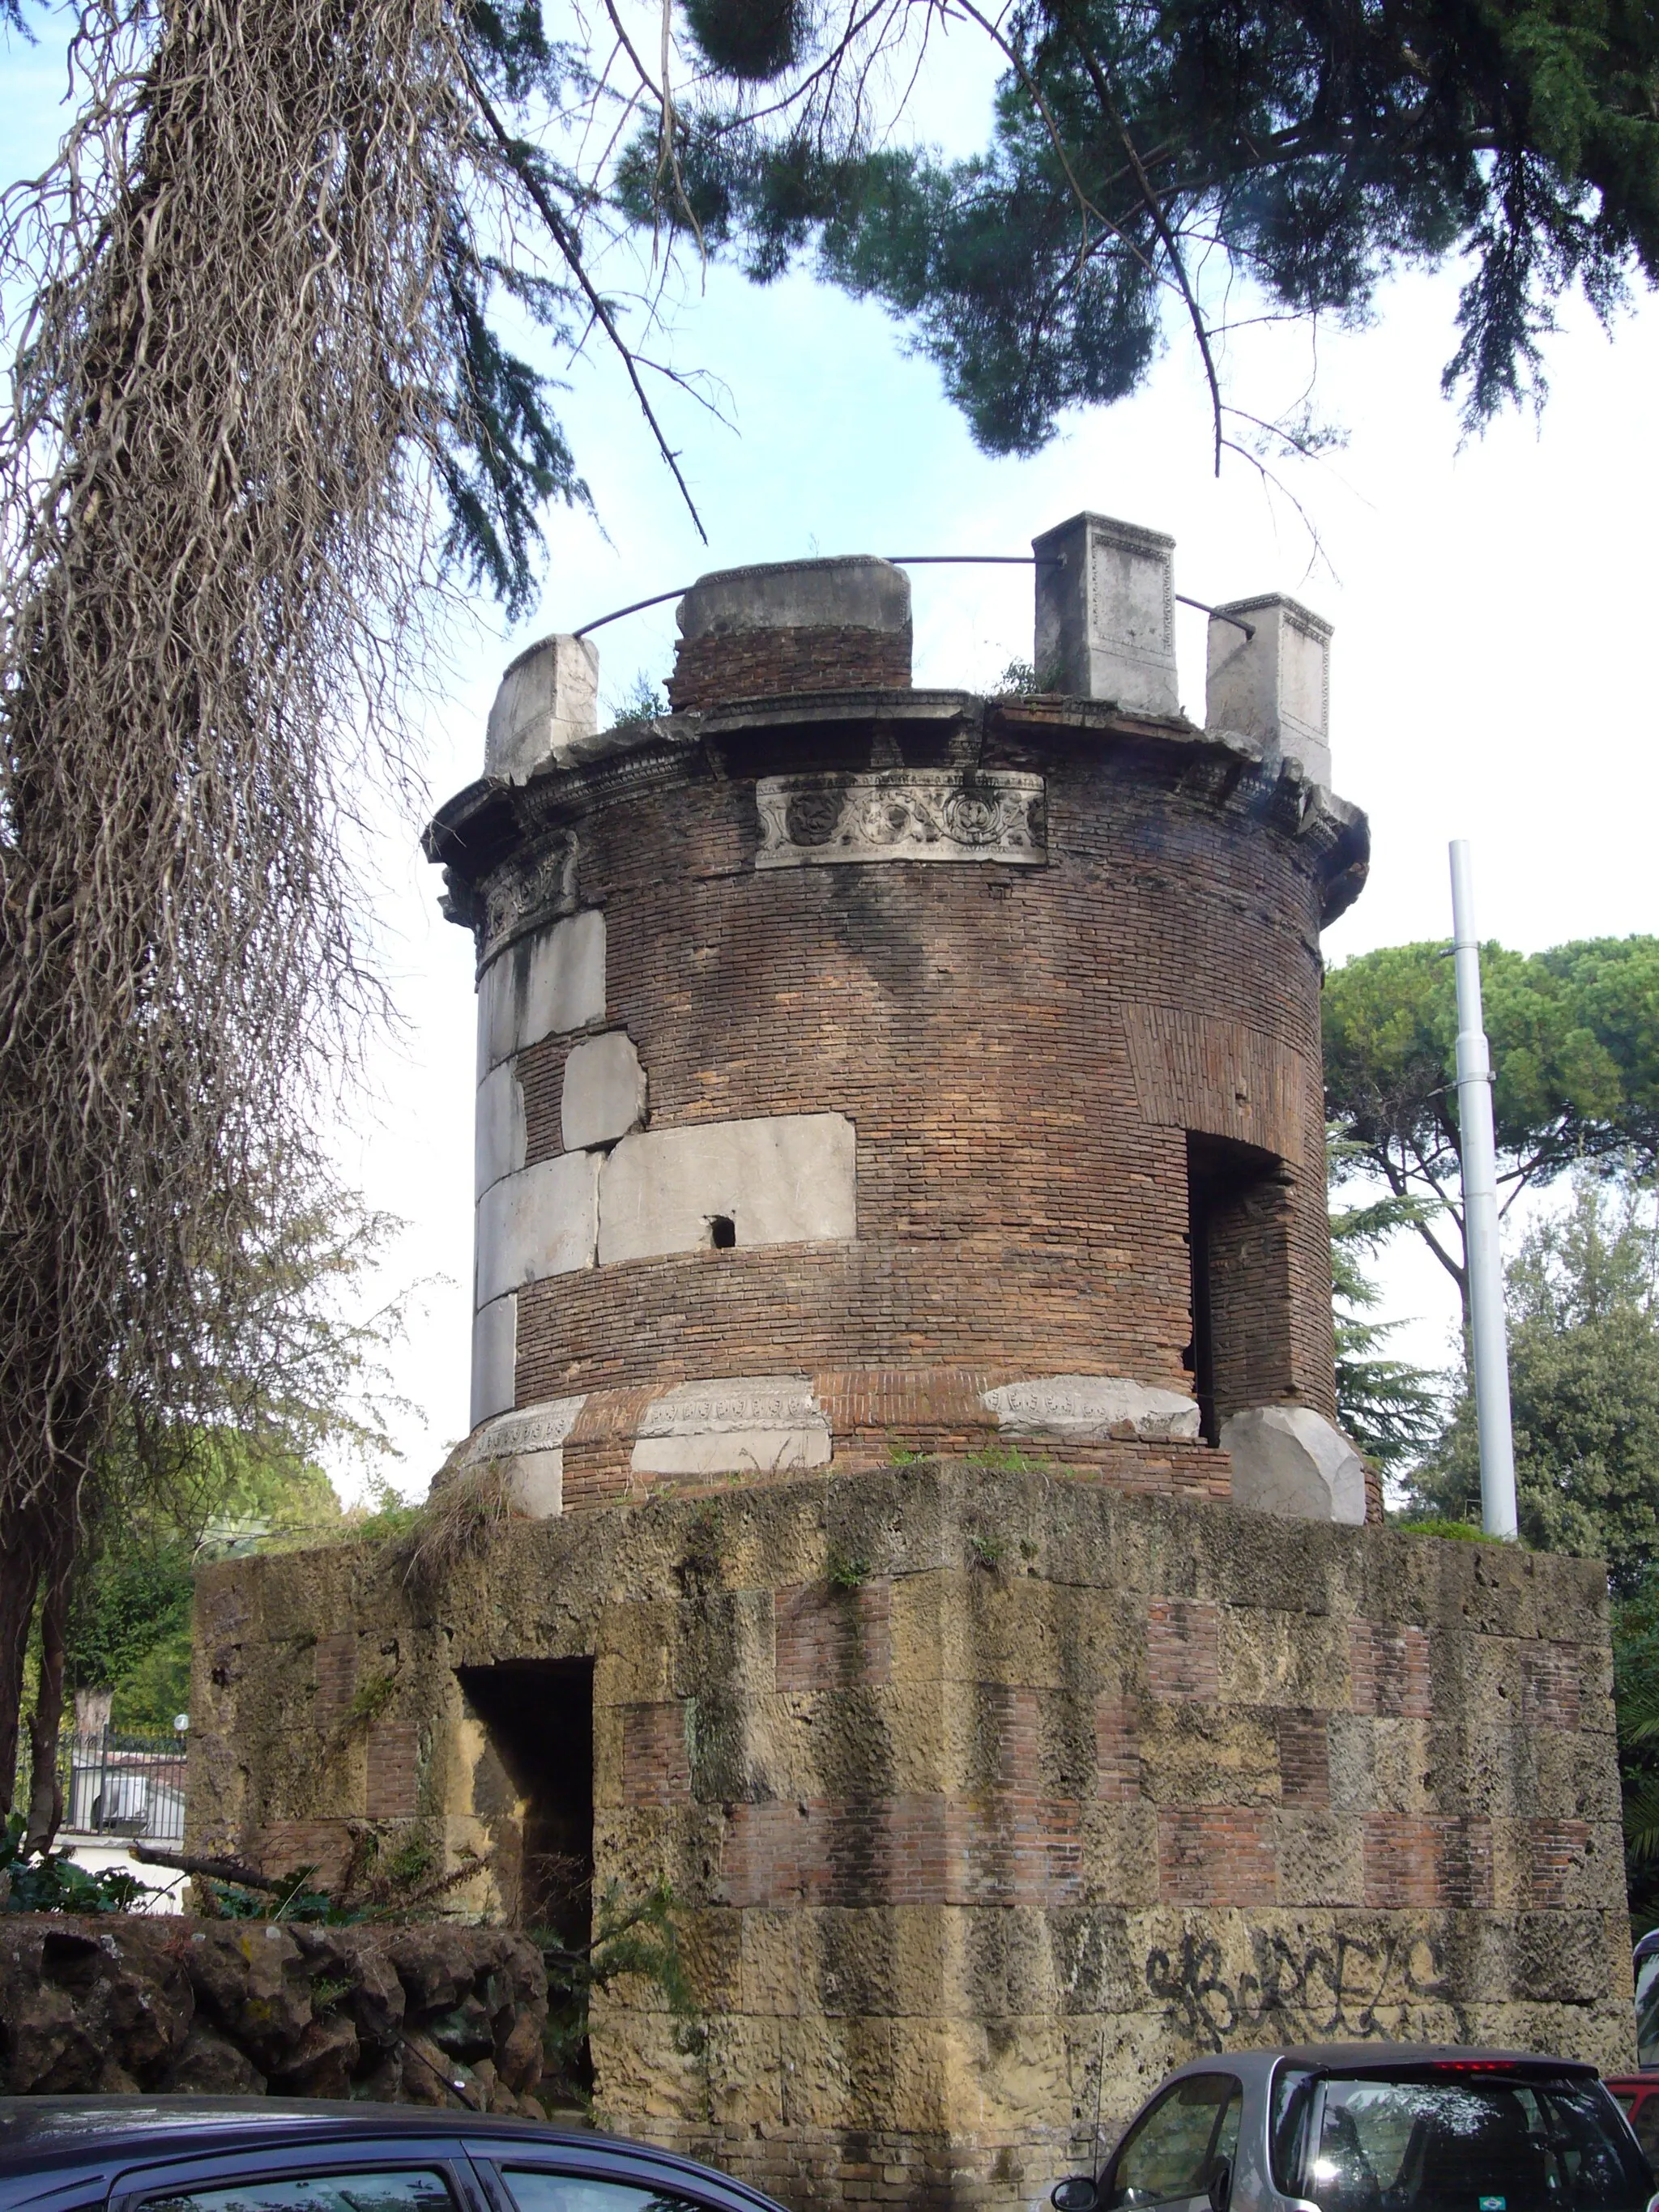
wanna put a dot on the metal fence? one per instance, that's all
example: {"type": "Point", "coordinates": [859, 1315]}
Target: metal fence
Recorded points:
{"type": "Point", "coordinates": [120, 1784]}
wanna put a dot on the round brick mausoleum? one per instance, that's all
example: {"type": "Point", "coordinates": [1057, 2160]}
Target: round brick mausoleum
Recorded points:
{"type": "Point", "coordinates": [865, 1068]}
{"type": "Point", "coordinates": [867, 1073]}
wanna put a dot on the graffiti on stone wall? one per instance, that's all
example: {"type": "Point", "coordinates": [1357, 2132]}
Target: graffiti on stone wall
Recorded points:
{"type": "Point", "coordinates": [1335, 1988]}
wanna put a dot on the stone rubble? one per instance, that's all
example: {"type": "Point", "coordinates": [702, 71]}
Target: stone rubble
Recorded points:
{"type": "Point", "coordinates": [435, 2014]}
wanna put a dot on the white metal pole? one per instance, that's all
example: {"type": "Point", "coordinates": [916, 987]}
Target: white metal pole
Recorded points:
{"type": "Point", "coordinates": [1489, 1341]}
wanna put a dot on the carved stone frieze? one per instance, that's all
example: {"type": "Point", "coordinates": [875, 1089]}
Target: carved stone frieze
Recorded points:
{"type": "Point", "coordinates": [543, 1427]}
{"type": "Point", "coordinates": [754, 1424]}
{"type": "Point", "coordinates": [532, 888]}
{"type": "Point", "coordinates": [1093, 1408]}
{"type": "Point", "coordinates": [901, 814]}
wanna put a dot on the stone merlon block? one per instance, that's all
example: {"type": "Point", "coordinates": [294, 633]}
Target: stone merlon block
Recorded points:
{"type": "Point", "coordinates": [861, 594]}
{"type": "Point", "coordinates": [1105, 614]}
{"type": "Point", "coordinates": [546, 707]}
{"type": "Point", "coordinates": [1272, 685]}
{"type": "Point", "coordinates": [1290, 1460]}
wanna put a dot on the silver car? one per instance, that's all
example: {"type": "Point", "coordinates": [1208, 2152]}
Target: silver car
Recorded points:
{"type": "Point", "coordinates": [1373, 2127]}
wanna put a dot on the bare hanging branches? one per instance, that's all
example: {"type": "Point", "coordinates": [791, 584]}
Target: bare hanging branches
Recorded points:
{"type": "Point", "coordinates": [216, 493]}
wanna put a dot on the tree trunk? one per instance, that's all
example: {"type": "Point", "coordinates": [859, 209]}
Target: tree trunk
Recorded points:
{"type": "Point", "coordinates": [92, 1711]}
{"type": "Point", "coordinates": [45, 1807]}
{"type": "Point", "coordinates": [38, 1545]}
{"type": "Point", "coordinates": [20, 1577]}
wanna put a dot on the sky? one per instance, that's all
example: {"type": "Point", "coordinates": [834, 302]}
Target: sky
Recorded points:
{"type": "Point", "coordinates": [1492, 669]}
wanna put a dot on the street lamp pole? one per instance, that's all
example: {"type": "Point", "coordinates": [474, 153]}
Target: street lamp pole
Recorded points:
{"type": "Point", "coordinates": [1489, 1342]}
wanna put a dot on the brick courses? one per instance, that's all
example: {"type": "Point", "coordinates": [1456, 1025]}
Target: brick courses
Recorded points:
{"type": "Point", "coordinates": [1304, 1758]}
{"type": "Point", "coordinates": [1215, 1855]}
{"type": "Point", "coordinates": [1551, 1676]}
{"type": "Point", "coordinates": [656, 1770]}
{"type": "Point", "coordinates": [392, 1775]}
{"type": "Point", "coordinates": [1390, 1668]}
{"type": "Point", "coordinates": [1022, 1052]}
{"type": "Point", "coordinates": [721, 666]}
{"type": "Point", "coordinates": [1183, 1650]}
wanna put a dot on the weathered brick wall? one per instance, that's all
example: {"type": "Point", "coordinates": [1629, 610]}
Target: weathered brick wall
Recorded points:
{"type": "Point", "coordinates": [1021, 1050]}
{"type": "Point", "coordinates": [962, 1776]}
{"type": "Point", "coordinates": [722, 665]}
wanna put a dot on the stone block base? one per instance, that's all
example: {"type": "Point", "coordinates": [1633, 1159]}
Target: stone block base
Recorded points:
{"type": "Point", "coordinates": [960, 1777]}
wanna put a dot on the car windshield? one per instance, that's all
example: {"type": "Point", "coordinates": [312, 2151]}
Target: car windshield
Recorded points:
{"type": "Point", "coordinates": [1647, 2009]}
{"type": "Point", "coordinates": [1454, 2143]}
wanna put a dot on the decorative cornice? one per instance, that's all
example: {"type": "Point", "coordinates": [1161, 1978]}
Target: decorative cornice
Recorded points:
{"type": "Point", "coordinates": [901, 814]}
{"type": "Point", "coordinates": [489, 821]}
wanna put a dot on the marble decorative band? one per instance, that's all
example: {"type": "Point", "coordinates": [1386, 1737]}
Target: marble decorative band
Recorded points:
{"type": "Point", "coordinates": [543, 1427]}
{"type": "Point", "coordinates": [1093, 1409]}
{"type": "Point", "coordinates": [901, 814]}
{"type": "Point", "coordinates": [756, 1424]}
{"type": "Point", "coordinates": [532, 888]}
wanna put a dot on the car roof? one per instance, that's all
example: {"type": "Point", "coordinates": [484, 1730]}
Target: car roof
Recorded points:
{"type": "Point", "coordinates": [38, 2132]}
{"type": "Point", "coordinates": [1362, 2057]}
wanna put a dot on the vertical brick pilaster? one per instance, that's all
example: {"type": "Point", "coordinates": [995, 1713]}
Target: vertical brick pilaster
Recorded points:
{"type": "Point", "coordinates": [1304, 1758]}
{"type": "Point", "coordinates": [393, 1783]}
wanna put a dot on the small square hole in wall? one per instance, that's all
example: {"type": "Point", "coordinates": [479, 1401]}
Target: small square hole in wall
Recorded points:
{"type": "Point", "coordinates": [722, 1232]}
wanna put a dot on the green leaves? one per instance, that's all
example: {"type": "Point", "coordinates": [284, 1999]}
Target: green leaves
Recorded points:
{"type": "Point", "coordinates": [132, 1598]}
{"type": "Point", "coordinates": [751, 39]}
{"type": "Point", "coordinates": [502, 456]}
{"type": "Point", "coordinates": [1583, 1306]}
{"type": "Point", "coordinates": [1636, 1695]}
{"type": "Point", "coordinates": [1388, 1407]}
{"type": "Point", "coordinates": [1575, 1045]}
{"type": "Point", "coordinates": [1314, 151]}
{"type": "Point", "coordinates": [49, 1881]}
{"type": "Point", "coordinates": [632, 1935]}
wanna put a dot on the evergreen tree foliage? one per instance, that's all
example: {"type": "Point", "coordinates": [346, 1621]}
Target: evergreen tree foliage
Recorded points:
{"type": "Point", "coordinates": [1309, 149]}
{"type": "Point", "coordinates": [1583, 1312]}
{"type": "Point", "coordinates": [1636, 1698]}
{"type": "Point", "coordinates": [1389, 1408]}
{"type": "Point", "coordinates": [1575, 1046]}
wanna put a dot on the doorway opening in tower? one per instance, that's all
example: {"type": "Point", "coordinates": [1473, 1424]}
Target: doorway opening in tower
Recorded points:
{"type": "Point", "coordinates": [537, 1716]}
{"type": "Point", "coordinates": [1238, 1247]}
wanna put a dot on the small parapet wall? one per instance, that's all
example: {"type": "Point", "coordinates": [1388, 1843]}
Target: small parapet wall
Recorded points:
{"type": "Point", "coordinates": [966, 1780]}
{"type": "Point", "coordinates": [422, 2015]}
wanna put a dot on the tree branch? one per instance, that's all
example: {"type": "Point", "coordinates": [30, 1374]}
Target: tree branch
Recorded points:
{"type": "Point", "coordinates": [1085, 205]}
{"type": "Point", "coordinates": [1399, 1181]}
{"type": "Point", "coordinates": [231, 1870]}
{"type": "Point", "coordinates": [1104, 93]}
{"type": "Point", "coordinates": [564, 237]}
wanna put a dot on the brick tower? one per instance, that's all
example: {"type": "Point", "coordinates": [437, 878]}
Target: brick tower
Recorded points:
{"type": "Point", "coordinates": [903, 1321]}
{"type": "Point", "coordinates": [862, 1066]}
